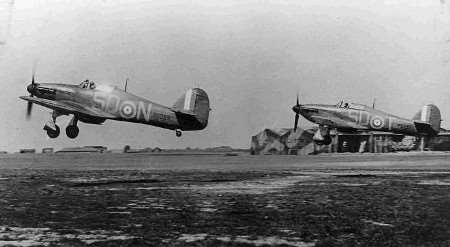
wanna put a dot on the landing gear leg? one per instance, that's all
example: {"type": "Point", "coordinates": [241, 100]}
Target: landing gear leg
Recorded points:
{"type": "Point", "coordinates": [322, 136]}
{"type": "Point", "coordinates": [178, 133]}
{"type": "Point", "coordinates": [51, 127]}
{"type": "Point", "coordinates": [72, 129]}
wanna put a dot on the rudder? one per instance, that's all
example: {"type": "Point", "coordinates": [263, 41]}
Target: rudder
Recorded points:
{"type": "Point", "coordinates": [195, 101]}
{"type": "Point", "coordinates": [430, 114]}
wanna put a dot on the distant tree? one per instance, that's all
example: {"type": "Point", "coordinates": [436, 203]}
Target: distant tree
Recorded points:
{"type": "Point", "coordinates": [126, 148]}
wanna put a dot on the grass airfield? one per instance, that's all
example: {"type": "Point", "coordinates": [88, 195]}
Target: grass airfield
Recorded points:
{"type": "Point", "coordinates": [185, 200]}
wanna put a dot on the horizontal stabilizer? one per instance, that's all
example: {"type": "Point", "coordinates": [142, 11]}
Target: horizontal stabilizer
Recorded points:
{"type": "Point", "coordinates": [424, 128]}
{"type": "Point", "coordinates": [184, 112]}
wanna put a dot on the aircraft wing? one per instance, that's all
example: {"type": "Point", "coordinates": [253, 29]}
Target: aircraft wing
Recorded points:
{"type": "Point", "coordinates": [323, 121]}
{"type": "Point", "coordinates": [338, 122]}
{"type": "Point", "coordinates": [69, 107]}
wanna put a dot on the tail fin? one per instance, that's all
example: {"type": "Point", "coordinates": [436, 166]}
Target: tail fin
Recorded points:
{"type": "Point", "coordinates": [431, 115]}
{"type": "Point", "coordinates": [194, 103]}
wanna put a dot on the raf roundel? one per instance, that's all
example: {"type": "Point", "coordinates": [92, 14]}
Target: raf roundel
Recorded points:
{"type": "Point", "coordinates": [127, 109]}
{"type": "Point", "coordinates": [377, 122]}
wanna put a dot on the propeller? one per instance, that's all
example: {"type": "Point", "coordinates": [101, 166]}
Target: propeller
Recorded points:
{"type": "Point", "coordinates": [29, 108]}
{"type": "Point", "coordinates": [296, 109]}
{"type": "Point", "coordinates": [30, 89]}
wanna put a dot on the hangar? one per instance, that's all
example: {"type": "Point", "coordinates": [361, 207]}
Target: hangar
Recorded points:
{"type": "Point", "coordinates": [286, 141]}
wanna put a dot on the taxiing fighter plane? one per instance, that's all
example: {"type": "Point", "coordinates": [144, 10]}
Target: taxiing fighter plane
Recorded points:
{"type": "Point", "coordinates": [94, 104]}
{"type": "Point", "coordinates": [353, 117]}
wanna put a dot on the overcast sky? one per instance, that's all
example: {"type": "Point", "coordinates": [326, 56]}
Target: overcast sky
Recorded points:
{"type": "Point", "coordinates": [250, 56]}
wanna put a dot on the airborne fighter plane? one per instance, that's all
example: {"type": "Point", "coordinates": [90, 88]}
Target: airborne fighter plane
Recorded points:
{"type": "Point", "coordinates": [351, 117]}
{"type": "Point", "coordinates": [94, 104]}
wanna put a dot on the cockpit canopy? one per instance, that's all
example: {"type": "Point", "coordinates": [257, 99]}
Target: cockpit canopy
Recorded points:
{"type": "Point", "coordinates": [87, 84]}
{"type": "Point", "coordinates": [348, 105]}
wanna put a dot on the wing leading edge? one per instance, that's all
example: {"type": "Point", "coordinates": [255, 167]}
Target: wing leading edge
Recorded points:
{"type": "Point", "coordinates": [338, 122]}
{"type": "Point", "coordinates": [68, 107]}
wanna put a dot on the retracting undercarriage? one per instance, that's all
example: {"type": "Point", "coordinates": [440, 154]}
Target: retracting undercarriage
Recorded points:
{"type": "Point", "coordinates": [53, 129]}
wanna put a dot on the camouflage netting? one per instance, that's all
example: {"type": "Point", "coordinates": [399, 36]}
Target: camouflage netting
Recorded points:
{"type": "Point", "coordinates": [407, 143]}
{"type": "Point", "coordinates": [283, 141]}
{"type": "Point", "coordinates": [286, 141]}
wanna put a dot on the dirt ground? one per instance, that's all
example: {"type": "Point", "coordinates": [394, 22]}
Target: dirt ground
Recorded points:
{"type": "Point", "coordinates": [126, 200]}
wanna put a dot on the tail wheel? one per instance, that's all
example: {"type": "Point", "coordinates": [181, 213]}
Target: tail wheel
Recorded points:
{"type": "Point", "coordinates": [72, 131]}
{"type": "Point", "coordinates": [178, 133]}
{"type": "Point", "coordinates": [53, 133]}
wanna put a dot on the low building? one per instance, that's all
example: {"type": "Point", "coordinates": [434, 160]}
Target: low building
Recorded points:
{"type": "Point", "coordinates": [441, 142]}
{"type": "Point", "coordinates": [47, 150]}
{"type": "Point", "coordinates": [127, 149]}
{"type": "Point", "coordinates": [371, 141]}
{"type": "Point", "coordinates": [222, 149]}
{"type": "Point", "coordinates": [85, 149]}
{"type": "Point", "coordinates": [27, 151]}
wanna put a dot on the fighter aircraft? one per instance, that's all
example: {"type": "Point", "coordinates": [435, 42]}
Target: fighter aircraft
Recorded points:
{"type": "Point", "coordinates": [94, 104]}
{"type": "Point", "coordinates": [351, 117]}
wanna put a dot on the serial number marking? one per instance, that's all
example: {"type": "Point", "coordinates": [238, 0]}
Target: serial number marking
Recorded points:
{"type": "Point", "coordinates": [161, 117]}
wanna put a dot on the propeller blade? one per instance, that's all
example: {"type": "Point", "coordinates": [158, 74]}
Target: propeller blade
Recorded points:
{"type": "Point", "coordinates": [29, 108]}
{"type": "Point", "coordinates": [296, 109]}
{"type": "Point", "coordinates": [33, 72]}
{"type": "Point", "coordinates": [31, 87]}
{"type": "Point", "coordinates": [296, 122]}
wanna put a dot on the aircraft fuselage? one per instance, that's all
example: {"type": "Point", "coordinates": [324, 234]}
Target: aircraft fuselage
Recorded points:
{"type": "Point", "coordinates": [357, 119]}
{"type": "Point", "coordinates": [94, 104]}
{"type": "Point", "coordinates": [123, 105]}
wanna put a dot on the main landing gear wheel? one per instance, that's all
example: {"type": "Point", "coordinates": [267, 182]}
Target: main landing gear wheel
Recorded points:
{"type": "Point", "coordinates": [53, 133]}
{"type": "Point", "coordinates": [177, 133]}
{"type": "Point", "coordinates": [326, 141]}
{"type": "Point", "coordinates": [72, 131]}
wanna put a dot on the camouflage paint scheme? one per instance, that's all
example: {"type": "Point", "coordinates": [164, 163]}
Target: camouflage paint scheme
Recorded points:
{"type": "Point", "coordinates": [94, 104]}
{"type": "Point", "coordinates": [357, 117]}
